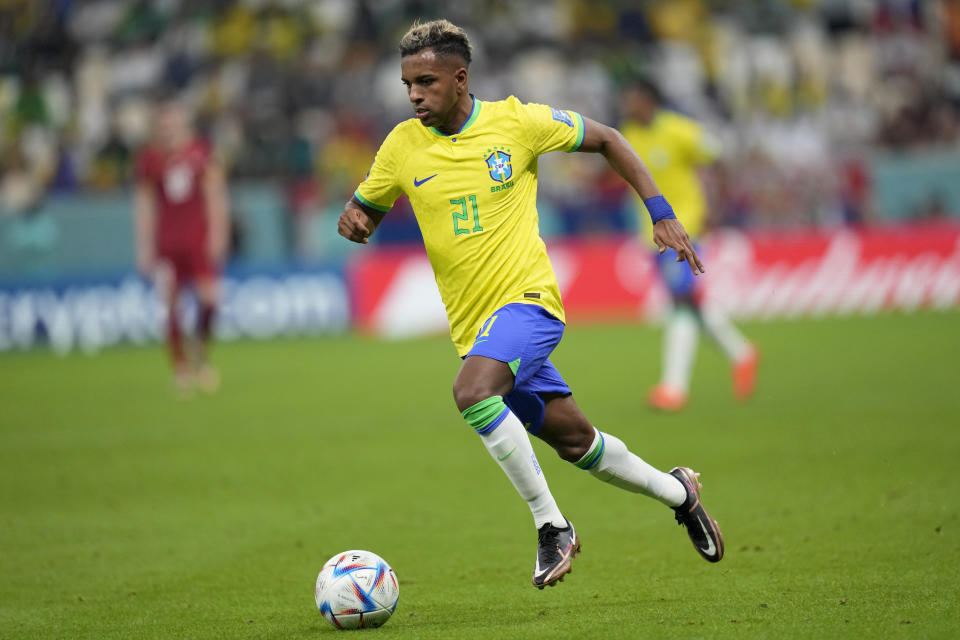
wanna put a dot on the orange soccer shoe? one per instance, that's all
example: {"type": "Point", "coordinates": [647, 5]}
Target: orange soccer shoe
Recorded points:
{"type": "Point", "coordinates": [665, 398]}
{"type": "Point", "coordinates": [745, 375]}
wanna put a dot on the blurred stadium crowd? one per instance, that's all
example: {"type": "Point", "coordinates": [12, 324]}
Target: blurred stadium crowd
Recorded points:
{"type": "Point", "coordinates": [301, 93]}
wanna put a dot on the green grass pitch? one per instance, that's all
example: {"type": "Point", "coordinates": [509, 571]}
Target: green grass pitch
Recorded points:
{"type": "Point", "coordinates": [127, 514]}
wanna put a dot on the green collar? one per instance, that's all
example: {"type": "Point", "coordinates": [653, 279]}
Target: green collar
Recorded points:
{"type": "Point", "coordinates": [474, 113]}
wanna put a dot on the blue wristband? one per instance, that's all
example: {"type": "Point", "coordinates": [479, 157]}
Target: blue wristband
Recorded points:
{"type": "Point", "coordinates": [659, 209]}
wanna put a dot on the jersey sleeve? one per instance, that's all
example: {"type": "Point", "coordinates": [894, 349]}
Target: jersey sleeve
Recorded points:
{"type": "Point", "coordinates": [381, 187]}
{"type": "Point", "coordinates": [549, 129]}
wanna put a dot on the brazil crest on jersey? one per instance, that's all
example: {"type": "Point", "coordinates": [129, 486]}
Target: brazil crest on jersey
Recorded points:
{"type": "Point", "coordinates": [474, 195]}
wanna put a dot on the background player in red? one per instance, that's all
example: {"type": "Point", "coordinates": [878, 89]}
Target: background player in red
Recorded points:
{"type": "Point", "coordinates": [182, 231]}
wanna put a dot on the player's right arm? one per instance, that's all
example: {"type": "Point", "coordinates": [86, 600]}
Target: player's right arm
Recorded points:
{"type": "Point", "coordinates": [375, 195]}
{"type": "Point", "coordinates": [145, 226]}
{"type": "Point", "coordinates": [358, 222]}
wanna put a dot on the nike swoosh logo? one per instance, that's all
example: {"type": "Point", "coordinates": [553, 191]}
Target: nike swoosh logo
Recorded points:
{"type": "Point", "coordinates": [479, 341]}
{"type": "Point", "coordinates": [710, 549]}
{"type": "Point", "coordinates": [417, 183]}
{"type": "Point", "coordinates": [506, 456]}
{"type": "Point", "coordinates": [537, 571]}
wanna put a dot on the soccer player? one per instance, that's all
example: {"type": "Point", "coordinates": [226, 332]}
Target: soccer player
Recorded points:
{"type": "Point", "coordinates": [674, 147]}
{"type": "Point", "coordinates": [181, 232]}
{"type": "Point", "coordinates": [469, 168]}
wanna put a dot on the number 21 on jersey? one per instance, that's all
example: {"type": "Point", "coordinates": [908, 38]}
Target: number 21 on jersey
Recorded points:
{"type": "Point", "coordinates": [464, 216]}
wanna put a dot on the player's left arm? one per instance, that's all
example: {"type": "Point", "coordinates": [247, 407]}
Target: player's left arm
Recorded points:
{"type": "Point", "coordinates": [217, 203]}
{"type": "Point", "coordinates": [667, 230]}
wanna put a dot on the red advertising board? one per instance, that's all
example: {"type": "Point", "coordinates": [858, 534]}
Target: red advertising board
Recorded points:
{"type": "Point", "coordinates": [752, 275]}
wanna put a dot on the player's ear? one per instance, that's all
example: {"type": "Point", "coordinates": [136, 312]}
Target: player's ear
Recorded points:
{"type": "Point", "coordinates": [461, 78]}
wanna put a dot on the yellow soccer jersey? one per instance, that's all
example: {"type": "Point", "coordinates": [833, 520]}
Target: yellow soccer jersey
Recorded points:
{"type": "Point", "coordinates": [673, 146]}
{"type": "Point", "coordinates": [474, 194]}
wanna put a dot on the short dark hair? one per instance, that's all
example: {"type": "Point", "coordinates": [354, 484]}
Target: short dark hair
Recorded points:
{"type": "Point", "coordinates": [444, 37]}
{"type": "Point", "coordinates": [645, 85]}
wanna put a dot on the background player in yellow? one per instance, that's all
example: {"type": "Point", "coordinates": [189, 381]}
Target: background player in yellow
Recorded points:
{"type": "Point", "coordinates": [675, 147]}
{"type": "Point", "coordinates": [469, 168]}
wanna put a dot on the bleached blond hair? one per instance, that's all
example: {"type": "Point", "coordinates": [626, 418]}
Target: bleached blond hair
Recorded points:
{"type": "Point", "coordinates": [442, 36]}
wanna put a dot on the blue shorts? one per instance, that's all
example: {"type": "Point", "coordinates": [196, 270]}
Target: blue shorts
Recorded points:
{"type": "Point", "coordinates": [524, 336]}
{"type": "Point", "coordinates": [677, 275]}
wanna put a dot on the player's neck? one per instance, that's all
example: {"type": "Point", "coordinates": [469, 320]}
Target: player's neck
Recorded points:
{"type": "Point", "coordinates": [458, 115]}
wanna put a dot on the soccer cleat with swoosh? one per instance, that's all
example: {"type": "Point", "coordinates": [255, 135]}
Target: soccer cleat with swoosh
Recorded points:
{"type": "Point", "coordinates": [703, 530]}
{"type": "Point", "coordinates": [556, 549]}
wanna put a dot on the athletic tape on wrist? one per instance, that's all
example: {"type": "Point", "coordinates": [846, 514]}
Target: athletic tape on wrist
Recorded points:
{"type": "Point", "coordinates": [659, 209]}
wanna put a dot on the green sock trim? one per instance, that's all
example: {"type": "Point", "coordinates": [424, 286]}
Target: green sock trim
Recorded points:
{"type": "Point", "coordinates": [514, 365]}
{"type": "Point", "coordinates": [592, 457]}
{"type": "Point", "coordinates": [480, 415]}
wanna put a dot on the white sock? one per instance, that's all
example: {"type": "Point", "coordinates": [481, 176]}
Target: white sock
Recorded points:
{"type": "Point", "coordinates": [609, 460]}
{"type": "Point", "coordinates": [728, 338]}
{"type": "Point", "coordinates": [510, 446]}
{"type": "Point", "coordinates": [679, 349]}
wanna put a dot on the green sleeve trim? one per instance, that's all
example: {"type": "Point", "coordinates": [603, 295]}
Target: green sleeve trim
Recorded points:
{"type": "Point", "coordinates": [581, 130]}
{"type": "Point", "coordinates": [480, 415]}
{"type": "Point", "coordinates": [372, 205]}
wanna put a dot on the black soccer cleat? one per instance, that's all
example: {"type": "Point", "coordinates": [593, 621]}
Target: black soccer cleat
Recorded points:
{"type": "Point", "coordinates": [703, 530]}
{"type": "Point", "coordinates": [556, 549]}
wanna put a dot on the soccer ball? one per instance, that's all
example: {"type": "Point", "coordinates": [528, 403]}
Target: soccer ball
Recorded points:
{"type": "Point", "coordinates": [356, 589]}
